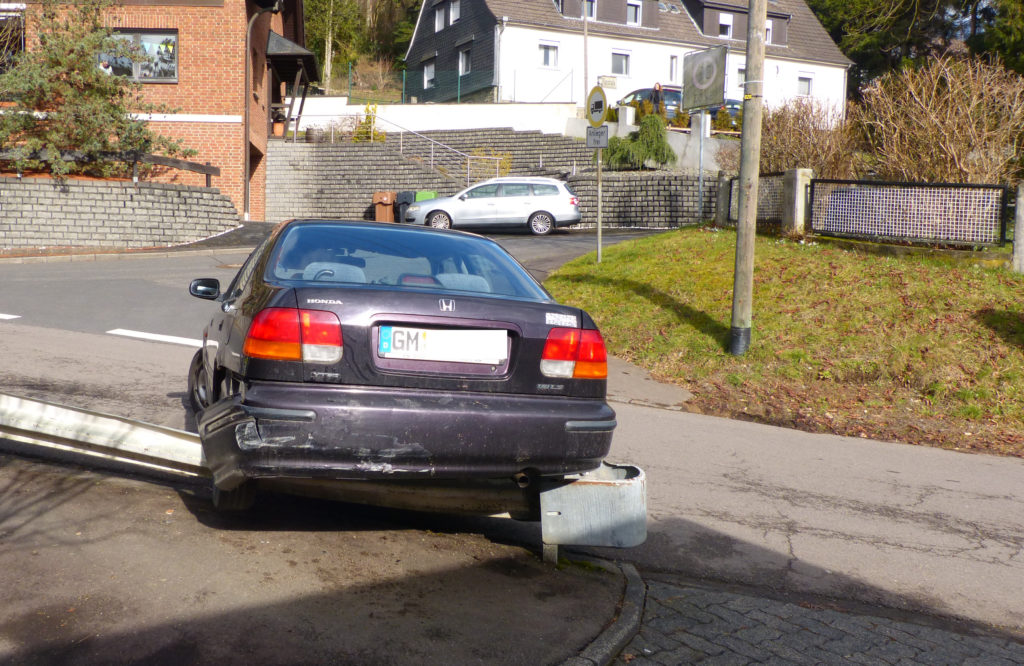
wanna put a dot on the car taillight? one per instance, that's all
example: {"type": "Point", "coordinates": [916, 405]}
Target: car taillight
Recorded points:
{"type": "Point", "coordinates": [574, 201]}
{"type": "Point", "coordinates": [290, 334]}
{"type": "Point", "coordinates": [573, 352]}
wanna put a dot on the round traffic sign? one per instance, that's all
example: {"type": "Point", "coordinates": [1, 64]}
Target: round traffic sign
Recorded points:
{"type": "Point", "coordinates": [597, 106]}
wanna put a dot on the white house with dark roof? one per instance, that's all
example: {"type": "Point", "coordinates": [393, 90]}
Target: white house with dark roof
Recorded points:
{"type": "Point", "coordinates": [533, 50]}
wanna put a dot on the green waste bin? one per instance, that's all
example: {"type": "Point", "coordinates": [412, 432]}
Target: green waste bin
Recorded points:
{"type": "Point", "coordinates": [423, 195]}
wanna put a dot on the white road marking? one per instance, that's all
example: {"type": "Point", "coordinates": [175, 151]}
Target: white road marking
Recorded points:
{"type": "Point", "coordinates": [156, 337]}
{"type": "Point", "coordinates": [7, 316]}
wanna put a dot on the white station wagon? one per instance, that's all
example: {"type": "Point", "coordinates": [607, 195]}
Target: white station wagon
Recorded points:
{"type": "Point", "coordinates": [541, 204]}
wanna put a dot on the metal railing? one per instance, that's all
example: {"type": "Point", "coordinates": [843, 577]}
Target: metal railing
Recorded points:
{"type": "Point", "coordinates": [432, 153]}
{"type": "Point", "coordinates": [954, 213]}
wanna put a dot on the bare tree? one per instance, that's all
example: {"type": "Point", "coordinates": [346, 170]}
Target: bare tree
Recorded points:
{"type": "Point", "coordinates": [954, 120]}
{"type": "Point", "coordinates": [806, 133]}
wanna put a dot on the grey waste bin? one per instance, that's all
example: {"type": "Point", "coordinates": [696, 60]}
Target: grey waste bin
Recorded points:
{"type": "Point", "coordinates": [402, 202]}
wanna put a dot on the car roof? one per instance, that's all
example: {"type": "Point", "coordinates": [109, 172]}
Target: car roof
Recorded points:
{"type": "Point", "coordinates": [522, 179]}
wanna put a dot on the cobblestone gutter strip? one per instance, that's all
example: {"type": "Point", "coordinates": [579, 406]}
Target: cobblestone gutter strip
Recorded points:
{"type": "Point", "coordinates": [622, 629]}
{"type": "Point", "coordinates": [691, 623]}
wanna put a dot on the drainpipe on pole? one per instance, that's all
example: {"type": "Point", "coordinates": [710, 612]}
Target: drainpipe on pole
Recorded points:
{"type": "Point", "coordinates": [245, 104]}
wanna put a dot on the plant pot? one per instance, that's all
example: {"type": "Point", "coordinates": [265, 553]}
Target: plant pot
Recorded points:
{"type": "Point", "coordinates": [278, 128]}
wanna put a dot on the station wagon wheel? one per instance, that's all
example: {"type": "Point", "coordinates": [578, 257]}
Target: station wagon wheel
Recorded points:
{"type": "Point", "coordinates": [440, 220]}
{"type": "Point", "coordinates": [198, 397]}
{"type": "Point", "coordinates": [541, 224]}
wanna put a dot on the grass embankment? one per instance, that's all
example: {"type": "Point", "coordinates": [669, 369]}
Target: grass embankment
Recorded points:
{"type": "Point", "coordinates": [911, 349]}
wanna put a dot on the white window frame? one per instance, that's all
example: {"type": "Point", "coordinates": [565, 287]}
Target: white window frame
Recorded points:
{"type": "Point", "coordinates": [590, 9]}
{"type": "Point", "coordinates": [725, 21]}
{"type": "Point", "coordinates": [560, 6]}
{"type": "Point", "coordinates": [673, 68]}
{"type": "Point", "coordinates": [768, 31]}
{"type": "Point", "coordinates": [428, 75]}
{"type": "Point", "coordinates": [439, 18]}
{"type": "Point", "coordinates": [465, 60]}
{"type": "Point", "coordinates": [639, 7]}
{"type": "Point", "coordinates": [546, 48]}
{"type": "Point", "coordinates": [455, 12]}
{"type": "Point", "coordinates": [809, 78]}
{"type": "Point", "coordinates": [625, 61]}
{"type": "Point", "coordinates": [741, 78]}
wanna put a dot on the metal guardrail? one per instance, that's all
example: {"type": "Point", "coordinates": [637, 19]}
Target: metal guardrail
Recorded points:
{"type": "Point", "coordinates": [437, 155]}
{"type": "Point", "coordinates": [55, 428]}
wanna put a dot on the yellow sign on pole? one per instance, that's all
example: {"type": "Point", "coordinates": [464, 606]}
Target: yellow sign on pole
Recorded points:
{"type": "Point", "coordinates": [597, 106]}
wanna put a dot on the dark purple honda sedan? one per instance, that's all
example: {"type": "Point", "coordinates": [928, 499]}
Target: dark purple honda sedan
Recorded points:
{"type": "Point", "coordinates": [363, 351]}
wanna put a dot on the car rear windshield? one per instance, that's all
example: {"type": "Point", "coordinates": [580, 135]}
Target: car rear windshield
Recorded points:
{"type": "Point", "coordinates": [330, 254]}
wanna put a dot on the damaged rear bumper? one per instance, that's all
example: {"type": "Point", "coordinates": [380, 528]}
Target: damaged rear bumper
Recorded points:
{"type": "Point", "coordinates": [282, 430]}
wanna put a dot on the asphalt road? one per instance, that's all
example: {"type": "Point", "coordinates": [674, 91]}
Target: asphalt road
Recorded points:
{"type": "Point", "coordinates": [895, 527]}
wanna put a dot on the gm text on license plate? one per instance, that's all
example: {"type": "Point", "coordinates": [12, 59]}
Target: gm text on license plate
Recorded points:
{"type": "Point", "coordinates": [458, 346]}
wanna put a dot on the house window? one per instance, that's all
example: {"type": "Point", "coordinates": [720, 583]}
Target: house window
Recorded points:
{"type": "Point", "coordinates": [673, 68]}
{"type": "Point", "coordinates": [590, 9]}
{"type": "Point", "coordinates": [465, 65]}
{"type": "Point", "coordinates": [428, 75]}
{"type": "Point", "coordinates": [620, 64]}
{"type": "Point", "coordinates": [439, 19]}
{"type": "Point", "coordinates": [455, 13]}
{"type": "Point", "coordinates": [803, 85]}
{"type": "Point", "coordinates": [768, 31]}
{"type": "Point", "coordinates": [560, 6]}
{"type": "Point", "coordinates": [12, 37]}
{"type": "Point", "coordinates": [634, 12]}
{"type": "Point", "coordinates": [741, 79]}
{"type": "Point", "coordinates": [549, 55]}
{"type": "Point", "coordinates": [158, 60]}
{"type": "Point", "coordinates": [725, 25]}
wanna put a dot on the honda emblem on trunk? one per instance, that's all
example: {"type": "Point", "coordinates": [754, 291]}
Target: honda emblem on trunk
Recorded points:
{"type": "Point", "coordinates": [447, 305]}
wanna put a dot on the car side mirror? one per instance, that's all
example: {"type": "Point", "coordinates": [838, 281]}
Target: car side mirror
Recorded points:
{"type": "Point", "coordinates": [205, 288]}
{"type": "Point", "coordinates": [463, 197]}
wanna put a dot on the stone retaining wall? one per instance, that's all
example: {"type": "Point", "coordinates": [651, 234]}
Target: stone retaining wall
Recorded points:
{"type": "Point", "coordinates": [42, 212]}
{"type": "Point", "coordinates": [642, 199]}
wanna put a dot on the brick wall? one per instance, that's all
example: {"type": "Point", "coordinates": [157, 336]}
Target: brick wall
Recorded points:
{"type": "Point", "coordinates": [643, 199]}
{"type": "Point", "coordinates": [41, 212]}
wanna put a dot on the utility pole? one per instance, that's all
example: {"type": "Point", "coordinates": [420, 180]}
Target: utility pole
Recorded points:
{"type": "Point", "coordinates": [750, 159]}
{"type": "Point", "coordinates": [586, 81]}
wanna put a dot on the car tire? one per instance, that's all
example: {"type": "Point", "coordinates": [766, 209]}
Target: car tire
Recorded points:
{"type": "Point", "coordinates": [439, 220]}
{"type": "Point", "coordinates": [198, 396]}
{"type": "Point", "coordinates": [541, 224]}
{"type": "Point", "coordinates": [240, 499]}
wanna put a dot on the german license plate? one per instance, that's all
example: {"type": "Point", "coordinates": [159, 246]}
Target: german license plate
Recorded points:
{"type": "Point", "coordinates": [454, 346]}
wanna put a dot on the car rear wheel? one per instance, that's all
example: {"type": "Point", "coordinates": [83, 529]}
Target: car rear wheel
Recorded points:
{"type": "Point", "coordinates": [440, 220]}
{"type": "Point", "coordinates": [240, 499]}
{"type": "Point", "coordinates": [198, 396]}
{"type": "Point", "coordinates": [541, 224]}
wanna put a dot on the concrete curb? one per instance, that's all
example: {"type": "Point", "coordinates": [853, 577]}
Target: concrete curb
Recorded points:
{"type": "Point", "coordinates": [118, 256]}
{"type": "Point", "coordinates": [603, 649]}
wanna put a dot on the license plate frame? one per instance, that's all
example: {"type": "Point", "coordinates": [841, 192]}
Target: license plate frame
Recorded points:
{"type": "Point", "coordinates": [487, 346]}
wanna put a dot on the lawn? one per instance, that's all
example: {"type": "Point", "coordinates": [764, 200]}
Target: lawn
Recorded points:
{"type": "Point", "coordinates": [915, 349]}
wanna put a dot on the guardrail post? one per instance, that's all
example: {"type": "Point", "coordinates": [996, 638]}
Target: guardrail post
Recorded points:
{"type": "Point", "coordinates": [724, 199]}
{"type": "Point", "coordinates": [794, 200]}
{"type": "Point", "coordinates": [1018, 232]}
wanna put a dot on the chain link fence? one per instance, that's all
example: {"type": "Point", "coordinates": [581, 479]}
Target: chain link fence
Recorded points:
{"type": "Point", "coordinates": [921, 212]}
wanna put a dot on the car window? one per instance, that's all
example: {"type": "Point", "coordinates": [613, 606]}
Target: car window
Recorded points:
{"type": "Point", "coordinates": [568, 188]}
{"type": "Point", "coordinates": [673, 97]}
{"type": "Point", "coordinates": [389, 256]}
{"type": "Point", "coordinates": [515, 190]}
{"type": "Point", "coordinates": [545, 190]}
{"type": "Point", "coordinates": [483, 191]}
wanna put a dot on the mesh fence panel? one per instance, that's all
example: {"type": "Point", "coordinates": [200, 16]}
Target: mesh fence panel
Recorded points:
{"type": "Point", "coordinates": [769, 200]}
{"type": "Point", "coordinates": [945, 213]}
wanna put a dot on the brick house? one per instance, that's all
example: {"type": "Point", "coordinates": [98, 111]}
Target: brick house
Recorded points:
{"type": "Point", "coordinates": [199, 70]}
{"type": "Point", "coordinates": [533, 50]}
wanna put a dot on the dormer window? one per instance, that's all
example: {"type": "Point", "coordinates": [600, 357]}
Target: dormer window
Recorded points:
{"type": "Point", "coordinates": [590, 9]}
{"type": "Point", "coordinates": [725, 25]}
{"type": "Point", "coordinates": [560, 6]}
{"type": "Point", "coordinates": [634, 12]}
